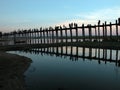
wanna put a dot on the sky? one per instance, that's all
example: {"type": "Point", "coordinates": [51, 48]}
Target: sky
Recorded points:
{"type": "Point", "coordinates": [26, 14]}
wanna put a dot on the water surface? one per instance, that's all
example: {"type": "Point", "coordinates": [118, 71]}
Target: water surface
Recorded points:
{"type": "Point", "coordinates": [61, 71]}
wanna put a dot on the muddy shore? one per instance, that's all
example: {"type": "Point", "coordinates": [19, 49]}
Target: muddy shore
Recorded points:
{"type": "Point", "coordinates": [12, 68]}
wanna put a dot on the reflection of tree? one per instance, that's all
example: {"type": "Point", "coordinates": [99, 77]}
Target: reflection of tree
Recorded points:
{"type": "Point", "coordinates": [12, 68]}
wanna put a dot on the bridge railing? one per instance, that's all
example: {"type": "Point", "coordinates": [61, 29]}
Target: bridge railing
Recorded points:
{"type": "Point", "coordinates": [73, 33]}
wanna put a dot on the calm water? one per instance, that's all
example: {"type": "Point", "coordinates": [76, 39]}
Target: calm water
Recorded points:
{"type": "Point", "coordinates": [54, 69]}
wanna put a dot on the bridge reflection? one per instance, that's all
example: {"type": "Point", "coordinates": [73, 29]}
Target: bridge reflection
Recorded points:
{"type": "Point", "coordinates": [75, 53]}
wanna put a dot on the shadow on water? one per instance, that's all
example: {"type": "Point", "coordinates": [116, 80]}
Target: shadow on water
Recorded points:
{"type": "Point", "coordinates": [12, 68]}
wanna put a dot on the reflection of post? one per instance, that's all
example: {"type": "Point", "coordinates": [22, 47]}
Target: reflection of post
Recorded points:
{"type": "Point", "coordinates": [47, 50]}
{"type": "Point", "coordinates": [103, 53]}
{"type": "Point", "coordinates": [77, 51]}
{"type": "Point", "coordinates": [95, 52]}
{"type": "Point", "coordinates": [90, 52]}
{"type": "Point", "coordinates": [116, 57]}
{"type": "Point", "coordinates": [71, 53]}
{"type": "Point", "coordinates": [61, 50]}
{"type": "Point", "coordinates": [99, 55]}
{"type": "Point", "coordinates": [83, 53]}
{"type": "Point", "coordinates": [105, 56]}
{"type": "Point", "coordinates": [53, 49]}
{"type": "Point", "coordinates": [66, 49]}
{"type": "Point", "coordinates": [110, 54]}
{"type": "Point", "coordinates": [57, 50]}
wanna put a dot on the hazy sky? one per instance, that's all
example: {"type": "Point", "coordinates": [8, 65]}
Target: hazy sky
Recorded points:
{"type": "Point", "coordinates": [15, 14]}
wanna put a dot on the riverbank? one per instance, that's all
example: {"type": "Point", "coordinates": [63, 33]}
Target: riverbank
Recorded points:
{"type": "Point", "coordinates": [12, 68]}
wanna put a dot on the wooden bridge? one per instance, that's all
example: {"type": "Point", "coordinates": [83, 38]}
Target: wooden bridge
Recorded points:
{"type": "Point", "coordinates": [85, 35]}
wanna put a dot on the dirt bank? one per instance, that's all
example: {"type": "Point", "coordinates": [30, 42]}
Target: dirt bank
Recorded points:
{"type": "Point", "coordinates": [12, 68]}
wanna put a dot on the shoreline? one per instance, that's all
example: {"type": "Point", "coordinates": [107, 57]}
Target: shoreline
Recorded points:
{"type": "Point", "coordinates": [12, 68]}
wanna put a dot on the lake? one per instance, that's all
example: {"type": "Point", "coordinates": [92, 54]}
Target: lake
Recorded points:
{"type": "Point", "coordinates": [72, 68]}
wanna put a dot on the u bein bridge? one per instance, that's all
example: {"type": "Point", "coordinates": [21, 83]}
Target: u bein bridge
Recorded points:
{"type": "Point", "coordinates": [74, 53]}
{"type": "Point", "coordinates": [100, 35]}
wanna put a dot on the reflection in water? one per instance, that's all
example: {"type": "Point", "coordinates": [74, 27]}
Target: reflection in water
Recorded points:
{"type": "Point", "coordinates": [12, 68]}
{"type": "Point", "coordinates": [72, 68]}
{"type": "Point", "coordinates": [74, 53]}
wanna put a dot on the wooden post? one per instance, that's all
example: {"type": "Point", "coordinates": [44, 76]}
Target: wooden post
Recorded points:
{"type": "Point", "coordinates": [110, 31]}
{"type": "Point", "coordinates": [52, 35]}
{"type": "Point", "coordinates": [90, 33]}
{"type": "Point", "coordinates": [35, 36]}
{"type": "Point", "coordinates": [83, 32]}
{"type": "Point", "coordinates": [31, 36]}
{"type": "Point", "coordinates": [38, 36]}
{"type": "Point", "coordinates": [119, 21]}
{"type": "Point", "coordinates": [95, 33]}
{"type": "Point", "coordinates": [47, 35]}
{"type": "Point", "coordinates": [56, 29]}
{"type": "Point", "coordinates": [76, 28]}
{"type": "Point", "coordinates": [65, 33]}
{"type": "Point", "coordinates": [70, 27]}
{"type": "Point", "coordinates": [99, 30]}
{"type": "Point", "coordinates": [105, 30]}
{"type": "Point", "coordinates": [41, 35]}
{"type": "Point", "coordinates": [61, 33]}
{"type": "Point", "coordinates": [117, 30]}
{"type": "Point", "coordinates": [14, 33]}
